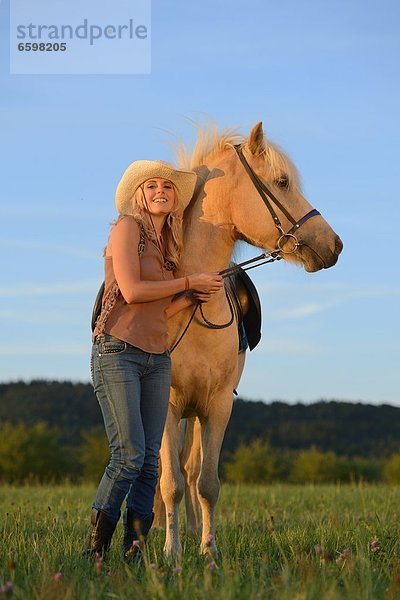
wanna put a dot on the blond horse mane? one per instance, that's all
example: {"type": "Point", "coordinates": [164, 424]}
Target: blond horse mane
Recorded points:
{"type": "Point", "coordinates": [211, 143]}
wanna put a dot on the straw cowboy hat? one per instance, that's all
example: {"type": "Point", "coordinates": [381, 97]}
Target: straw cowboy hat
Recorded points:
{"type": "Point", "coordinates": [141, 170]}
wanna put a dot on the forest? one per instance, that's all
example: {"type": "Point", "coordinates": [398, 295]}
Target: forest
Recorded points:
{"type": "Point", "coordinates": [52, 429]}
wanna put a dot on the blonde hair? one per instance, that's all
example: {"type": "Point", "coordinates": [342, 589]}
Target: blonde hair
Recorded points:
{"type": "Point", "coordinates": [172, 229]}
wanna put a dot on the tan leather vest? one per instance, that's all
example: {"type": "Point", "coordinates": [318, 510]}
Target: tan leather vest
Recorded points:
{"type": "Point", "coordinates": [141, 324]}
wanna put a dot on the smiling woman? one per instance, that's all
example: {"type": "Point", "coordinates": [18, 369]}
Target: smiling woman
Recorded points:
{"type": "Point", "coordinates": [130, 363]}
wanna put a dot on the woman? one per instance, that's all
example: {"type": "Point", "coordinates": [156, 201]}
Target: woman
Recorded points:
{"type": "Point", "coordinates": [130, 363]}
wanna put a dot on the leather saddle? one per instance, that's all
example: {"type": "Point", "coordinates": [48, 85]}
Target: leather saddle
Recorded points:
{"type": "Point", "coordinates": [245, 302]}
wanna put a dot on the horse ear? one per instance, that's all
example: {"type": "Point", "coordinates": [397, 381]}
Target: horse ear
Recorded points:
{"type": "Point", "coordinates": [256, 139]}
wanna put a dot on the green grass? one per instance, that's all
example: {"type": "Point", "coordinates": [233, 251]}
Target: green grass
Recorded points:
{"type": "Point", "coordinates": [266, 537]}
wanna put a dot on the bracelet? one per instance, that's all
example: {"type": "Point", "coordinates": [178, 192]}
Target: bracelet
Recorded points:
{"type": "Point", "coordinates": [186, 283]}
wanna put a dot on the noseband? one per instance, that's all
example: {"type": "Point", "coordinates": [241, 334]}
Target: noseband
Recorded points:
{"type": "Point", "coordinates": [269, 199]}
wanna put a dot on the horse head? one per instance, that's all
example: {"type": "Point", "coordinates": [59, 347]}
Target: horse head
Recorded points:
{"type": "Point", "coordinates": [258, 196]}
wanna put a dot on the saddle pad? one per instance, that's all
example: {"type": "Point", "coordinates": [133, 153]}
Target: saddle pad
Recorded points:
{"type": "Point", "coordinates": [246, 301]}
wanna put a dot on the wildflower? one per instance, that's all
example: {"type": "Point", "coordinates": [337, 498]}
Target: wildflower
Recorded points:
{"type": "Point", "coordinates": [57, 576]}
{"type": "Point", "coordinates": [209, 540]}
{"type": "Point", "coordinates": [177, 570]}
{"type": "Point", "coordinates": [6, 589]}
{"type": "Point", "coordinates": [346, 553]}
{"type": "Point", "coordinates": [152, 566]}
{"type": "Point", "coordinates": [212, 566]}
{"type": "Point", "coordinates": [374, 545]}
{"type": "Point", "coordinates": [319, 550]}
{"type": "Point", "coordinates": [135, 543]}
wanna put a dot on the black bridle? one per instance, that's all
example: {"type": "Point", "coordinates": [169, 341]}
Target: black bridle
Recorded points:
{"type": "Point", "coordinates": [269, 199]}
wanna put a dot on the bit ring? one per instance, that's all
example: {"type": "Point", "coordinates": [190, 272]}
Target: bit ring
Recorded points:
{"type": "Point", "coordinates": [283, 239]}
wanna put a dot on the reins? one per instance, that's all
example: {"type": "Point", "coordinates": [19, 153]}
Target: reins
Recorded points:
{"type": "Point", "coordinates": [262, 259]}
{"type": "Point", "coordinates": [186, 328]}
{"type": "Point", "coordinates": [269, 200]}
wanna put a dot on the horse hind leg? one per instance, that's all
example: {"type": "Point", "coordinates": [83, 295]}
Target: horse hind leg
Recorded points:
{"type": "Point", "coordinates": [208, 485]}
{"type": "Point", "coordinates": [159, 506]}
{"type": "Point", "coordinates": [190, 464]}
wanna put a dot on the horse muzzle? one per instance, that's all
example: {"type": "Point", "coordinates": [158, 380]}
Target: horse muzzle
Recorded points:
{"type": "Point", "coordinates": [315, 259]}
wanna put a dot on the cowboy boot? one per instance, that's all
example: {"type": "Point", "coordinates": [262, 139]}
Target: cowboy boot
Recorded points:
{"type": "Point", "coordinates": [100, 533]}
{"type": "Point", "coordinates": [135, 533]}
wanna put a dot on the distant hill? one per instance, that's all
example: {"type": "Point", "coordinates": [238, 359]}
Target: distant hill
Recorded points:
{"type": "Point", "coordinates": [71, 407]}
{"type": "Point", "coordinates": [349, 429]}
{"type": "Point", "coordinates": [346, 428]}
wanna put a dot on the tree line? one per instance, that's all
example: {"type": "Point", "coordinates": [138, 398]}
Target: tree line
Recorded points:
{"type": "Point", "coordinates": [260, 463]}
{"type": "Point", "coordinates": [53, 430]}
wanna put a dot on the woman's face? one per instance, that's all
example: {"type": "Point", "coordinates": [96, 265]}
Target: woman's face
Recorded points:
{"type": "Point", "coordinates": [160, 195]}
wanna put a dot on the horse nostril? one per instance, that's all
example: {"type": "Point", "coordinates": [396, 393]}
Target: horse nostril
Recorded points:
{"type": "Point", "coordinates": [338, 245]}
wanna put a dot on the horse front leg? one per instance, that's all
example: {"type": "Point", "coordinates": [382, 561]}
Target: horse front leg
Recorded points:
{"type": "Point", "coordinates": [172, 483]}
{"type": "Point", "coordinates": [208, 485]}
{"type": "Point", "coordinates": [159, 506]}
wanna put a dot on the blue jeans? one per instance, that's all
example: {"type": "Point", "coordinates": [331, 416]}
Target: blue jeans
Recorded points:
{"type": "Point", "coordinates": [132, 388]}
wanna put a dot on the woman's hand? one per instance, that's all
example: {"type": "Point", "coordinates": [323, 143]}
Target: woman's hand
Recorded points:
{"type": "Point", "coordinates": [207, 283]}
{"type": "Point", "coordinates": [200, 297]}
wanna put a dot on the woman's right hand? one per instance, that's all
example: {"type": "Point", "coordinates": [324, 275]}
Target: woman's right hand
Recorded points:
{"type": "Point", "coordinates": [209, 283]}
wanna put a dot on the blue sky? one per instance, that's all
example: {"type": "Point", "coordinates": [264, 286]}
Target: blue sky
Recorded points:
{"type": "Point", "coordinates": [323, 79]}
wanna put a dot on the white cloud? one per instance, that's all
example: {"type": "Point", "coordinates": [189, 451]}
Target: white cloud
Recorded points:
{"type": "Point", "coordinates": [339, 290]}
{"type": "Point", "coordinates": [287, 346]}
{"type": "Point", "coordinates": [300, 311]}
{"type": "Point", "coordinates": [50, 248]}
{"type": "Point", "coordinates": [49, 289]}
{"type": "Point", "coordinates": [40, 317]}
{"type": "Point", "coordinates": [44, 348]}
{"type": "Point", "coordinates": [77, 208]}
{"type": "Point", "coordinates": [296, 301]}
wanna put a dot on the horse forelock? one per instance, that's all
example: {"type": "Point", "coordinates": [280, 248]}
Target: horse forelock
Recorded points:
{"type": "Point", "coordinates": [277, 164]}
{"type": "Point", "coordinates": [211, 143]}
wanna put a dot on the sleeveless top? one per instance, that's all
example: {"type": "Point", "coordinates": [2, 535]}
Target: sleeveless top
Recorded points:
{"type": "Point", "coordinates": [141, 324]}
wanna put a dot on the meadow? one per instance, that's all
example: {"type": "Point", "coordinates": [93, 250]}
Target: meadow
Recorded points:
{"type": "Point", "coordinates": [278, 541]}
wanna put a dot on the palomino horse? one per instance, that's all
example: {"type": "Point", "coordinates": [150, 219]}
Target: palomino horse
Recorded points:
{"type": "Point", "coordinates": [206, 366]}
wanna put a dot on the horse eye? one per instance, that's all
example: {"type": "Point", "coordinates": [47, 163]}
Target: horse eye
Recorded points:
{"type": "Point", "coordinates": [282, 182]}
